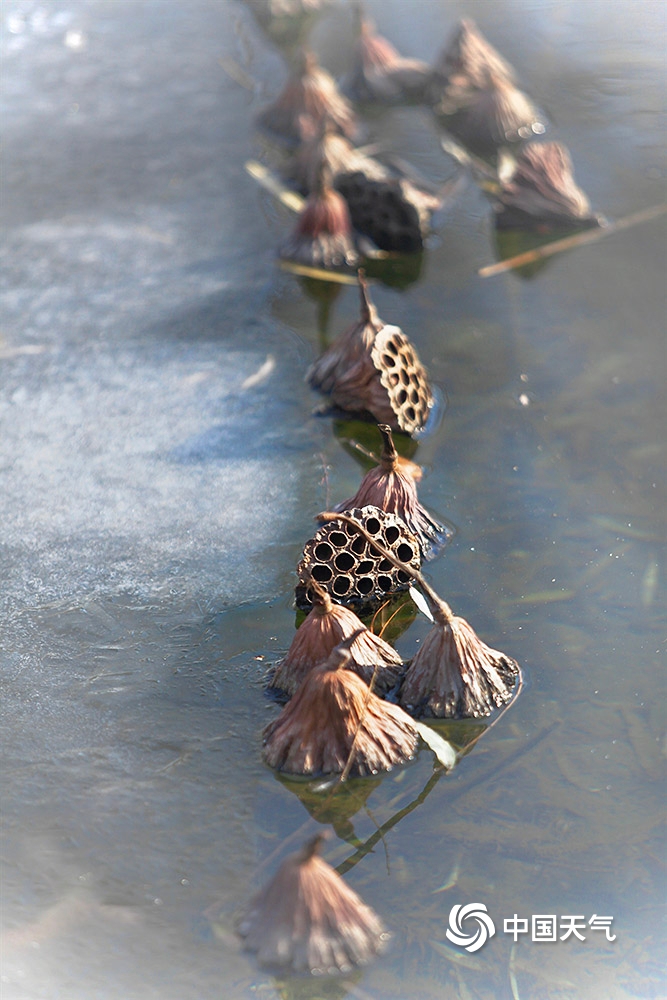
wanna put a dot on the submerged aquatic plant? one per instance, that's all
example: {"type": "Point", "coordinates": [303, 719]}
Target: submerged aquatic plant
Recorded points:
{"type": "Point", "coordinates": [334, 724]}
{"type": "Point", "coordinates": [374, 368]}
{"type": "Point", "coordinates": [309, 97]}
{"type": "Point", "coordinates": [307, 920]}
{"type": "Point", "coordinates": [541, 190]}
{"type": "Point", "coordinates": [323, 236]}
{"type": "Point", "coordinates": [325, 627]}
{"type": "Point", "coordinates": [454, 674]}
{"type": "Point", "coordinates": [380, 72]}
{"type": "Point", "coordinates": [391, 488]}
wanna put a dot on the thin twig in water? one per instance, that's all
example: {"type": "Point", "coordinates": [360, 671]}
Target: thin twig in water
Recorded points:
{"type": "Point", "coordinates": [368, 846]}
{"type": "Point", "coordinates": [570, 242]}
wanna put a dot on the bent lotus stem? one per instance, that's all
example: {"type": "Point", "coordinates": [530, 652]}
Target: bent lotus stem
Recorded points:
{"type": "Point", "coordinates": [389, 456]}
{"type": "Point", "coordinates": [441, 610]}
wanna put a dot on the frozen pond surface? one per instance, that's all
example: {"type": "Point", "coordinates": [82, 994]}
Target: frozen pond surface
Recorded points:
{"type": "Point", "coordinates": [160, 467]}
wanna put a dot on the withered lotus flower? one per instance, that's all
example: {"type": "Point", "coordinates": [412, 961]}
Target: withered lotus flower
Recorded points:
{"type": "Point", "coordinates": [326, 626]}
{"type": "Point", "coordinates": [542, 190]}
{"type": "Point", "coordinates": [310, 96]}
{"type": "Point", "coordinates": [307, 920]}
{"type": "Point", "coordinates": [350, 569]}
{"type": "Point", "coordinates": [335, 724]}
{"type": "Point", "coordinates": [373, 368]}
{"type": "Point", "coordinates": [390, 488]}
{"type": "Point", "coordinates": [323, 236]}
{"type": "Point", "coordinates": [497, 115]}
{"type": "Point", "coordinates": [454, 675]}
{"type": "Point", "coordinates": [380, 72]}
{"type": "Point", "coordinates": [331, 150]}
{"type": "Point", "coordinates": [464, 66]}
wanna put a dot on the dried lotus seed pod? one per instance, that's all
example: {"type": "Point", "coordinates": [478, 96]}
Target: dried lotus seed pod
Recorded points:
{"type": "Point", "coordinates": [349, 568]}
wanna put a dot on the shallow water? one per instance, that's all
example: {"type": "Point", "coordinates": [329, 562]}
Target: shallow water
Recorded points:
{"type": "Point", "coordinates": [157, 499]}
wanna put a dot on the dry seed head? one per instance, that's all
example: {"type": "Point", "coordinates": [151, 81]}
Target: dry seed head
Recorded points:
{"type": "Point", "coordinates": [498, 114]}
{"type": "Point", "coordinates": [309, 96]}
{"type": "Point", "coordinates": [455, 675]}
{"type": "Point", "coordinates": [307, 920]}
{"type": "Point", "coordinates": [543, 187]}
{"type": "Point", "coordinates": [374, 368]}
{"type": "Point", "coordinates": [346, 565]}
{"type": "Point", "coordinates": [393, 490]}
{"type": "Point", "coordinates": [335, 724]}
{"type": "Point", "coordinates": [326, 626]}
{"type": "Point", "coordinates": [467, 60]}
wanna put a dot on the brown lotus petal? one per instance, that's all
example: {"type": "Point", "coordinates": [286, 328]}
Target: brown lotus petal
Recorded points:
{"type": "Point", "coordinates": [308, 920]}
{"type": "Point", "coordinates": [390, 488]}
{"type": "Point", "coordinates": [309, 96]}
{"type": "Point", "coordinates": [542, 188]}
{"type": "Point", "coordinates": [353, 571]}
{"type": "Point", "coordinates": [326, 626]}
{"type": "Point", "coordinates": [323, 236]}
{"type": "Point", "coordinates": [499, 114]}
{"type": "Point", "coordinates": [454, 674]}
{"type": "Point", "coordinates": [355, 372]}
{"type": "Point", "coordinates": [335, 722]}
{"type": "Point", "coordinates": [465, 66]}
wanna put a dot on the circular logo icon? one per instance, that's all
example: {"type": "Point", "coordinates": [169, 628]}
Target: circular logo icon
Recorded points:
{"type": "Point", "coordinates": [471, 911]}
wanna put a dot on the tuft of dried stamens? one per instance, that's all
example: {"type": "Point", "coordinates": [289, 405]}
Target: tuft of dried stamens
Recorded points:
{"type": "Point", "coordinates": [323, 236]}
{"type": "Point", "coordinates": [307, 920]}
{"type": "Point", "coordinates": [464, 66]}
{"type": "Point", "coordinates": [326, 626]}
{"type": "Point", "coordinates": [380, 72]}
{"type": "Point", "coordinates": [310, 96]}
{"type": "Point", "coordinates": [391, 489]}
{"type": "Point", "coordinates": [374, 368]}
{"type": "Point", "coordinates": [455, 675]}
{"type": "Point", "coordinates": [335, 724]}
{"type": "Point", "coordinates": [542, 189]}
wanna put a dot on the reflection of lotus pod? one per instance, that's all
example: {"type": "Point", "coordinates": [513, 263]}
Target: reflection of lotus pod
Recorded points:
{"type": "Point", "coordinates": [309, 97]}
{"type": "Point", "coordinates": [347, 566]}
{"type": "Point", "coordinates": [390, 488]}
{"type": "Point", "coordinates": [380, 72]}
{"type": "Point", "coordinates": [455, 675]}
{"type": "Point", "coordinates": [326, 626]}
{"type": "Point", "coordinates": [331, 802]}
{"type": "Point", "coordinates": [360, 378]}
{"type": "Point", "coordinates": [542, 190]}
{"type": "Point", "coordinates": [335, 721]}
{"type": "Point", "coordinates": [308, 920]}
{"type": "Point", "coordinates": [464, 66]}
{"type": "Point", "coordinates": [323, 234]}
{"type": "Point", "coordinates": [499, 114]}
